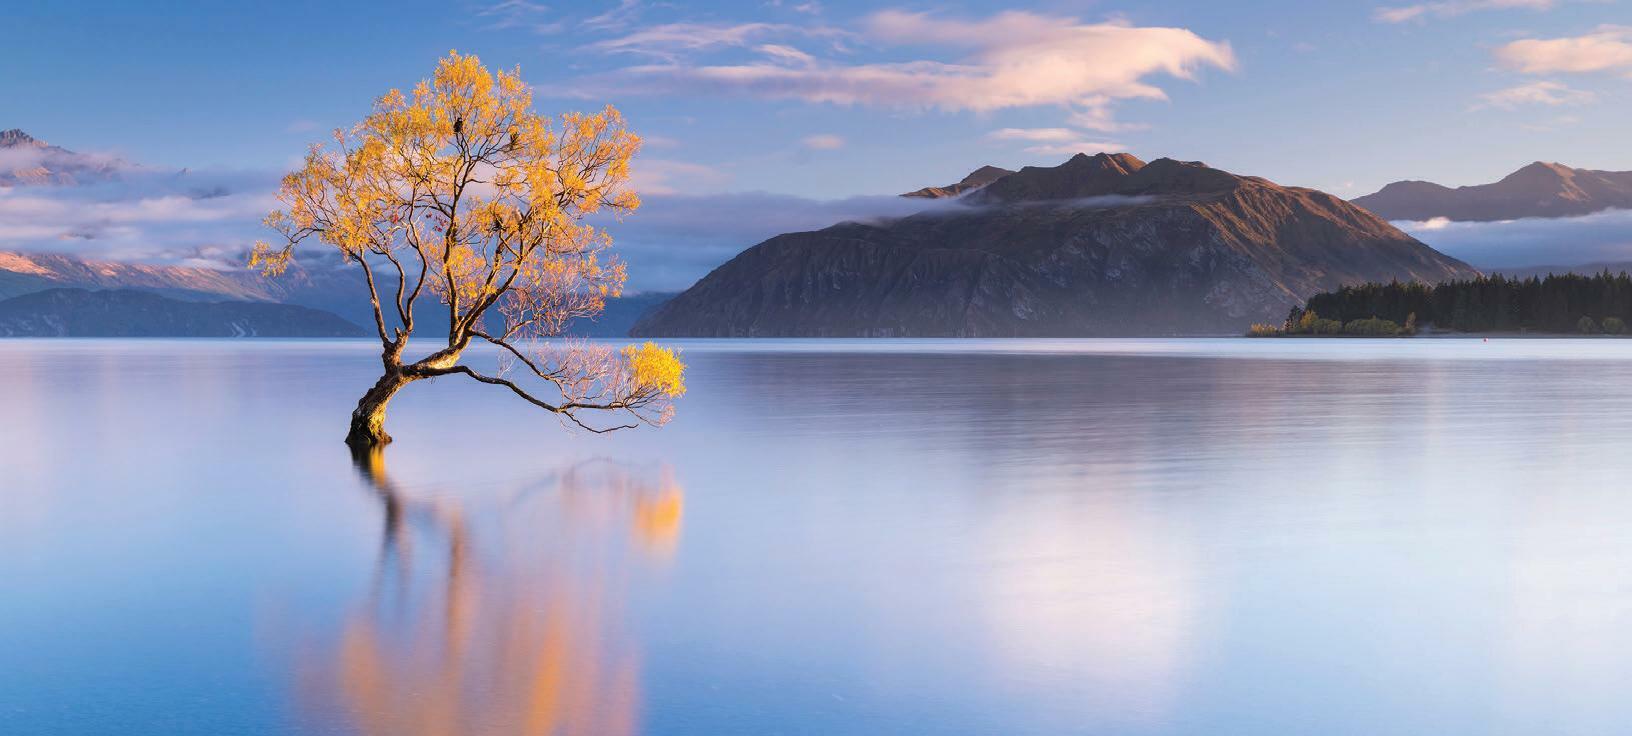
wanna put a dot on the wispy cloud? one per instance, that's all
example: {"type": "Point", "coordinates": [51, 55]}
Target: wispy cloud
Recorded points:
{"type": "Point", "coordinates": [663, 176]}
{"type": "Point", "coordinates": [1452, 8]}
{"type": "Point", "coordinates": [1010, 60]}
{"type": "Point", "coordinates": [1606, 48]}
{"type": "Point", "coordinates": [808, 8]}
{"type": "Point", "coordinates": [1032, 134]}
{"type": "Point", "coordinates": [673, 41]}
{"type": "Point", "coordinates": [1055, 141]}
{"type": "Point", "coordinates": [518, 14]}
{"type": "Point", "coordinates": [619, 16]}
{"type": "Point", "coordinates": [1548, 93]}
{"type": "Point", "coordinates": [1094, 113]}
{"type": "Point", "coordinates": [823, 142]}
{"type": "Point", "coordinates": [786, 54]}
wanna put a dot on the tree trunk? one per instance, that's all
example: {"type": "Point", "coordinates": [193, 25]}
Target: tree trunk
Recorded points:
{"type": "Point", "coordinates": [368, 419]}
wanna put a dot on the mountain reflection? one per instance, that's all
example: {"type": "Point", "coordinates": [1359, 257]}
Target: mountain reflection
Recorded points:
{"type": "Point", "coordinates": [502, 612]}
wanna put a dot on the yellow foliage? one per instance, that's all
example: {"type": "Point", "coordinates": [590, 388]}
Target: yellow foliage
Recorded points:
{"type": "Point", "coordinates": [460, 177]}
{"type": "Point", "coordinates": [655, 368]}
{"type": "Point", "coordinates": [459, 190]}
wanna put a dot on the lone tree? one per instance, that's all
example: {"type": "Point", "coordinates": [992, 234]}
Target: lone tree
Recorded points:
{"type": "Point", "coordinates": [461, 192]}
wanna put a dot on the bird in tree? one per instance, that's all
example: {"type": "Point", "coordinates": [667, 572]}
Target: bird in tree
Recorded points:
{"type": "Point", "coordinates": [458, 197]}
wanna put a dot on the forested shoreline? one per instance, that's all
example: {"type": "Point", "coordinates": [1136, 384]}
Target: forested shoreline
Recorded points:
{"type": "Point", "coordinates": [1555, 304]}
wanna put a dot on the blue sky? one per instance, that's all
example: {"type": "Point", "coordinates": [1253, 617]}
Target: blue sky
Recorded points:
{"type": "Point", "coordinates": [834, 99]}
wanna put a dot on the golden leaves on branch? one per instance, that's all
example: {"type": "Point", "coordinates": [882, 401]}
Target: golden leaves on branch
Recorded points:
{"type": "Point", "coordinates": [268, 260]}
{"type": "Point", "coordinates": [654, 369]}
{"type": "Point", "coordinates": [462, 176]}
{"type": "Point", "coordinates": [642, 380]}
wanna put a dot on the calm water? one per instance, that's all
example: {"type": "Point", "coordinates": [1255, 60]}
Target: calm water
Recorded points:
{"type": "Point", "coordinates": [1012, 537]}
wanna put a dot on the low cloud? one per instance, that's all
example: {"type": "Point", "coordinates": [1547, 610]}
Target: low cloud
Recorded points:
{"type": "Point", "coordinates": [212, 218]}
{"type": "Point", "coordinates": [23, 165]}
{"type": "Point", "coordinates": [674, 240]}
{"type": "Point", "coordinates": [144, 215]}
{"type": "Point", "coordinates": [1607, 48]}
{"type": "Point", "coordinates": [1565, 241]}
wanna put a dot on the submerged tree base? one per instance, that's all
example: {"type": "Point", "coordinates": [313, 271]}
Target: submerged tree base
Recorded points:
{"type": "Point", "coordinates": [368, 419]}
{"type": "Point", "coordinates": [362, 439]}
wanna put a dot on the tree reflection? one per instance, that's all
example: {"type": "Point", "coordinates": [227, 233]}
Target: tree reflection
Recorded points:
{"type": "Point", "coordinates": [502, 613]}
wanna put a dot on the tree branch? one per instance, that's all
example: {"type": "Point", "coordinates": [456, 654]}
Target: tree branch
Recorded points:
{"type": "Point", "coordinates": [565, 410]}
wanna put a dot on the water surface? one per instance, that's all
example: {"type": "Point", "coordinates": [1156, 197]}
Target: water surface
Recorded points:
{"type": "Point", "coordinates": [858, 537]}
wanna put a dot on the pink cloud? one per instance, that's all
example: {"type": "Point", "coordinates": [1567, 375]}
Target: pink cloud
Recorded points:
{"type": "Point", "coordinates": [1607, 48]}
{"type": "Point", "coordinates": [1009, 60]}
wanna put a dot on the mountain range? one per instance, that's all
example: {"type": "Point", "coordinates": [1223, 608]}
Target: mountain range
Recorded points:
{"type": "Point", "coordinates": [330, 289]}
{"type": "Point", "coordinates": [1538, 190]}
{"type": "Point", "coordinates": [1099, 245]}
{"type": "Point", "coordinates": [135, 313]}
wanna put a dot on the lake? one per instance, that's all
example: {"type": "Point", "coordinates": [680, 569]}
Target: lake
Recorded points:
{"type": "Point", "coordinates": [832, 537]}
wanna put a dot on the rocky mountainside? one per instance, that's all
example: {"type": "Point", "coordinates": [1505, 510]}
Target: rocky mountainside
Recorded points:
{"type": "Point", "coordinates": [976, 179]}
{"type": "Point", "coordinates": [25, 160]}
{"type": "Point", "coordinates": [1100, 245]}
{"type": "Point", "coordinates": [1538, 190]}
{"type": "Point", "coordinates": [130, 313]}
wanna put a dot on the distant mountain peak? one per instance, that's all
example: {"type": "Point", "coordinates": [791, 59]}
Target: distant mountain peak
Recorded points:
{"type": "Point", "coordinates": [985, 173]}
{"type": "Point", "coordinates": [976, 179]}
{"type": "Point", "coordinates": [1098, 245]}
{"type": "Point", "coordinates": [16, 137]}
{"type": "Point", "coordinates": [1110, 174]}
{"type": "Point", "coordinates": [1541, 171]}
{"type": "Point", "coordinates": [1125, 163]}
{"type": "Point", "coordinates": [1539, 189]}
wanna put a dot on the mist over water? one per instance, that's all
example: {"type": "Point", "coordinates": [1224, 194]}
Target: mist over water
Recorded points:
{"type": "Point", "coordinates": [861, 537]}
